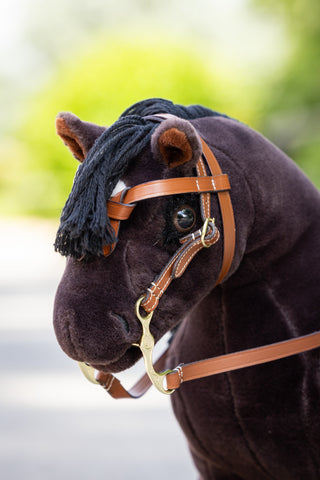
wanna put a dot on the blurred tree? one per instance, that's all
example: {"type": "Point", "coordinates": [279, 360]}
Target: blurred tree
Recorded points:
{"type": "Point", "coordinates": [98, 79]}
{"type": "Point", "coordinates": [97, 85]}
{"type": "Point", "coordinates": [292, 100]}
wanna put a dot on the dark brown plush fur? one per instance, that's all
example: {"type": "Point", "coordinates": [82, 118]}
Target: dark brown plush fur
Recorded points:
{"type": "Point", "coordinates": [258, 423]}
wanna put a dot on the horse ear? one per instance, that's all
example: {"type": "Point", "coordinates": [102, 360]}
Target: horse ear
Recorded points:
{"type": "Point", "coordinates": [176, 142]}
{"type": "Point", "coordinates": [77, 135]}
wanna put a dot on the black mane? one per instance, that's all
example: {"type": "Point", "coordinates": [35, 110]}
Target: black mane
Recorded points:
{"type": "Point", "coordinates": [84, 223]}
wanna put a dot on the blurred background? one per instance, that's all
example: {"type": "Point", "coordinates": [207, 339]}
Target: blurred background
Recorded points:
{"type": "Point", "coordinates": [255, 60]}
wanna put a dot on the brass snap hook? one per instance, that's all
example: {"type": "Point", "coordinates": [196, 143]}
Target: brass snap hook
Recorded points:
{"type": "Point", "coordinates": [204, 231]}
{"type": "Point", "coordinates": [146, 346]}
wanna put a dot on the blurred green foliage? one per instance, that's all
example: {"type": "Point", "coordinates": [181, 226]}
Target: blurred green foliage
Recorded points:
{"type": "Point", "coordinates": [292, 98]}
{"type": "Point", "coordinates": [103, 78]}
{"type": "Point", "coordinates": [97, 85]}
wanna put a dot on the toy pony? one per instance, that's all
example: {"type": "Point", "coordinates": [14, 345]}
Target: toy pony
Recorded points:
{"type": "Point", "coordinates": [183, 219]}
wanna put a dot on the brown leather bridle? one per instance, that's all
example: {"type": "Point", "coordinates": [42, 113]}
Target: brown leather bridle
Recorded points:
{"type": "Point", "coordinates": [120, 208]}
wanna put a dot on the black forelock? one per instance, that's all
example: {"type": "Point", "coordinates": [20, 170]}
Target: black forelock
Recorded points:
{"type": "Point", "coordinates": [84, 224]}
{"type": "Point", "coordinates": [153, 106]}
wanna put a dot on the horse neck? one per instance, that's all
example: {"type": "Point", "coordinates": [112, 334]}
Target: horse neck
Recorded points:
{"type": "Point", "coordinates": [277, 222]}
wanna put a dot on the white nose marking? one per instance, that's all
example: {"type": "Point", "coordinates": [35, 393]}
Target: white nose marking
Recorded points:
{"type": "Point", "coordinates": [118, 188]}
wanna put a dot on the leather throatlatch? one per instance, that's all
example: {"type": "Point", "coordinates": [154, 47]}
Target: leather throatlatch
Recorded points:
{"type": "Point", "coordinates": [120, 208]}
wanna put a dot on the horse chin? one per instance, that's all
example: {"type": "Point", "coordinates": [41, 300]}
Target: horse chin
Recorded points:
{"type": "Point", "coordinates": [127, 360]}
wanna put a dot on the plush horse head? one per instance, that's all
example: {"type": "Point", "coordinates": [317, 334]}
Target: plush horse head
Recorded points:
{"type": "Point", "coordinates": [102, 299]}
{"type": "Point", "coordinates": [236, 423]}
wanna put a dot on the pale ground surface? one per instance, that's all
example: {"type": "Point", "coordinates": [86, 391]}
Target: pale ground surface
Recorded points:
{"type": "Point", "coordinates": [53, 423]}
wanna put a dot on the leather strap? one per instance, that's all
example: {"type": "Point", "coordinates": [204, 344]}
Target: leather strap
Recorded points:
{"type": "Point", "coordinates": [113, 385]}
{"type": "Point", "coordinates": [242, 359]}
{"type": "Point", "coordinates": [122, 205]}
{"type": "Point", "coordinates": [212, 366]}
{"type": "Point", "coordinates": [226, 214]}
{"type": "Point", "coordinates": [191, 245]}
{"type": "Point", "coordinates": [174, 186]}
{"type": "Point", "coordinates": [224, 201]}
{"type": "Point", "coordinates": [121, 210]}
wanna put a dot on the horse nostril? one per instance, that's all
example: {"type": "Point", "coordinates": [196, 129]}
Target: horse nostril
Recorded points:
{"type": "Point", "coordinates": [123, 321]}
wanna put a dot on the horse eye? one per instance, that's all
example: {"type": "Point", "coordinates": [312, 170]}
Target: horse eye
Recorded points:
{"type": "Point", "coordinates": [184, 218]}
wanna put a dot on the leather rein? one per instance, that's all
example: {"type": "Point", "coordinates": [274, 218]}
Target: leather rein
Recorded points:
{"type": "Point", "coordinates": [120, 208]}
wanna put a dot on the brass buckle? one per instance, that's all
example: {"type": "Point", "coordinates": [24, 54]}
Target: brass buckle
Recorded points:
{"type": "Point", "coordinates": [204, 231]}
{"type": "Point", "coordinates": [146, 346]}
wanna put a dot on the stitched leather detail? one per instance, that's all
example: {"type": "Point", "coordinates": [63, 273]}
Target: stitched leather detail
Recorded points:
{"type": "Point", "coordinates": [185, 258]}
{"type": "Point", "coordinates": [122, 205]}
{"type": "Point", "coordinates": [172, 186]}
{"type": "Point", "coordinates": [226, 213]}
{"type": "Point", "coordinates": [114, 388]}
{"type": "Point", "coordinates": [205, 197]}
{"type": "Point", "coordinates": [192, 244]}
{"type": "Point", "coordinates": [244, 358]}
{"type": "Point", "coordinates": [161, 283]}
{"type": "Point", "coordinates": [212, 366]}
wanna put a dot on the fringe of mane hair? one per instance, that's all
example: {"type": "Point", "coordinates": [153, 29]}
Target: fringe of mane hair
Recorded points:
{"type": "Point", "coordinates": [84, 224]}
